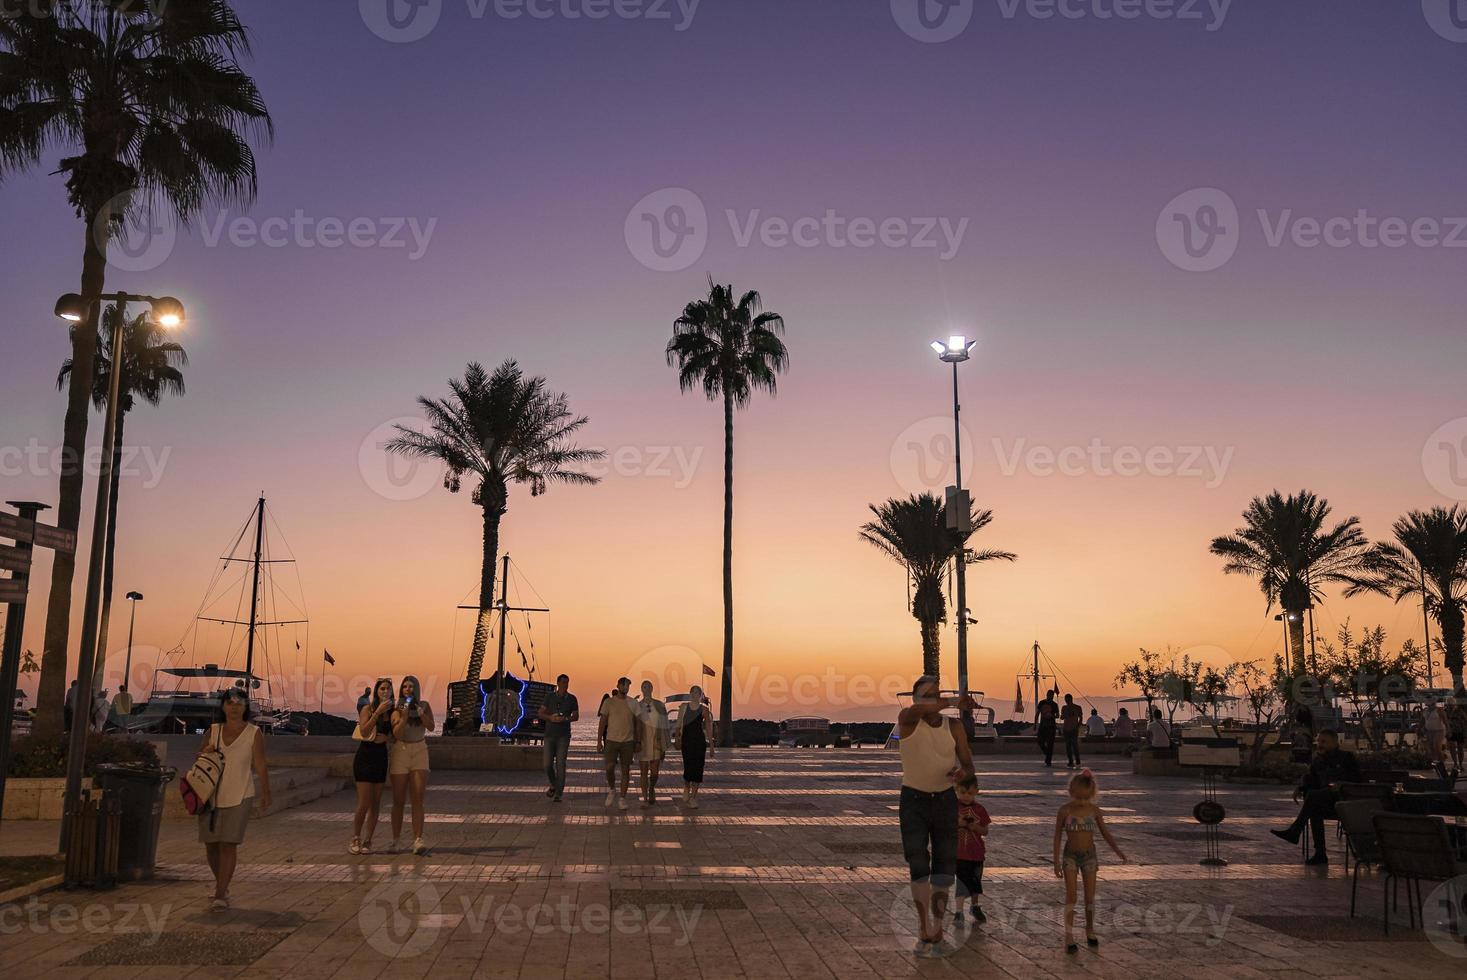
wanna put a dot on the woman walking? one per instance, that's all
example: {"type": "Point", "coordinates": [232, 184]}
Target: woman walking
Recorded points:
{"type": "Point", "coordinates": [222, 824]}
{"type": "Point", "coordinates": [652, 741]}
{"type": "Point", "coordinates": [407, 759]}
{"type": "Point", "coordinates": [693, 737]}
{"type": "Point", "coordinates": [369, 768]}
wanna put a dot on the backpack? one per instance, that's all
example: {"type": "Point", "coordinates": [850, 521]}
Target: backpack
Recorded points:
{"type": "Point", "coordinates": [202, 781]}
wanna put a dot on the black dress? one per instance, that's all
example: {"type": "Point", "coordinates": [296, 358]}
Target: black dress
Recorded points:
{"type": "Point", "coordinates": [694, 742]}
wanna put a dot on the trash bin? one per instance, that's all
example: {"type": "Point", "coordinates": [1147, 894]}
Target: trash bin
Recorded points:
{"type": "Point", "coordinates": [139, 792]}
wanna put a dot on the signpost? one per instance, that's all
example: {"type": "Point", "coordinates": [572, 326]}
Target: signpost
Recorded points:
{"type": "Point", "coordinates": [16, 559]}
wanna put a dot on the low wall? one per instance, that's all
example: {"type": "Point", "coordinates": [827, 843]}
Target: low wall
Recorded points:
{"type": "Point", "coordinates": [36, 799]}
{"type": "Point", "coordinates": [335, 752]}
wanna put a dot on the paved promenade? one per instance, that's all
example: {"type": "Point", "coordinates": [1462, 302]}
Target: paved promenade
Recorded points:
{"type": "Point", "coordinates": [791, 868]}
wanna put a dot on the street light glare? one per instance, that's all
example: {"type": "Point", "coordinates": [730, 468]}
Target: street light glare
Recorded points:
{"type": "Point", "coordinates": [939, 347]}
{"type": "Point", "coordinates": [168, 312]}
{"type": "Point", "coordinates": [71, 308]}
{"type": "Point", "coordinates": [956, 344]}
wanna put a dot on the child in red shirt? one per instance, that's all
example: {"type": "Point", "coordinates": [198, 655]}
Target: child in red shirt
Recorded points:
{"type": "Point", "coordinates": [973, 823]}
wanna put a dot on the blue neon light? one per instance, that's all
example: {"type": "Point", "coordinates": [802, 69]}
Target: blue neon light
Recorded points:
{"type": "Point", "coordinates": [484, 704]}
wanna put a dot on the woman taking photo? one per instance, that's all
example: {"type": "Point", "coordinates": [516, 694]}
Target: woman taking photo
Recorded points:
{"type": "Point", "coordinates": [369, 768]}
{"type": "Point", "coordinates": [222, 824]}
{"type": "Point", "coordinates": [407, 759]}
{"type": "Point", "coordinates": [693, 736]}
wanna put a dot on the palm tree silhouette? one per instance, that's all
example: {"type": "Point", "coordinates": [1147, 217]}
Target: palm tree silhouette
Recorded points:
{"type": "Point", "coordinates": [150, 369]}
{"type": "Point", "coordinates": [1427, 561]}
{"type": "Point", "coordinates": [1285, 544]}
{"type": "Point", "coordinates": [914, 533]}
{"type": "Point", "coordinates": [730, 349]}
{"type": "Point", "coordinates": [151, 96]}
{"type": "Point", "coordinates": [498, 429]}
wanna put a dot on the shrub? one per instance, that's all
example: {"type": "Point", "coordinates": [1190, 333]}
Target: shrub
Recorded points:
{"type": "Point", "coordinates": [34, 757]}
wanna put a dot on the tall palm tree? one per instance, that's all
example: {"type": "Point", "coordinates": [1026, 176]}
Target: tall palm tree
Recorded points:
{"type": "Point", "coordinates": [150, 97]}
{"type": "Point", "coordinates": [1427, 561]}
{"type": "Point", "coordinates": [497, 429]}
{"type": "Point", "coordinates": [150, 369]}
{"type": "Point", "coordinates": [729, 348]}
{"type": "Point", "coordinates": [1284, 542]}
{"type": "Point", "coordinates": [914, 534]}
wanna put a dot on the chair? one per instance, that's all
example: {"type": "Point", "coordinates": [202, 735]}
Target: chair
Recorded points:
{"type": "Point", "coordinates": [1415, 848]}
{"type": "Point", "coordinates": [1368, 791]}
{"type": "Point", "coordinates": [1357, 820]}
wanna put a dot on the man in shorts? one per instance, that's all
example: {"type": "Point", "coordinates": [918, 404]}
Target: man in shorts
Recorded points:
{"type": "Point", "coordinates": [616, 740]}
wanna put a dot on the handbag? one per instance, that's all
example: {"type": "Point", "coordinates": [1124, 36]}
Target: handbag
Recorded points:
{"type": "Point", "coordinates": [202, 782]}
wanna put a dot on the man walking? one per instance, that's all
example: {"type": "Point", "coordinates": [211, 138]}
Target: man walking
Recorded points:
{"type": "Point", "coordinates": [1048, 717]}
{"type": "Point", "coordinates": [616, 740]}
{"type": "Point", "coordinates": [559, 709]}
{"type": "Point", "coordinates": [1071, 716]}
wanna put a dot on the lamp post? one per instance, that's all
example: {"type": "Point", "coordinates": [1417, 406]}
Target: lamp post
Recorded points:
{"type": "Point", "coordinates": [76, 309]}
{"type": "Point", "coordinates": [954, 352]}
{"type": "Point", "coordinates": [134, 598]}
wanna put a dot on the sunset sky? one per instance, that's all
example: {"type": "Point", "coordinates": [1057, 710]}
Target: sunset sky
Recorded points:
{"type": "Point", "coordinates": [1052, 160]}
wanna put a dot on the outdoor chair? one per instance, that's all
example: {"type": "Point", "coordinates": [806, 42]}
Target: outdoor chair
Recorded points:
{"type": "Point", "coordinates": [1416, 849]}
{"type": "Point", "coordinates": [1357, 821]}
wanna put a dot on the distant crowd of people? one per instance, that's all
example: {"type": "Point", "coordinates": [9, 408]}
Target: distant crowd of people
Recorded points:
{"type": "Point", "coordinates": [106, 712]}
{"type": "Point", "coordinates": [1068, 719]}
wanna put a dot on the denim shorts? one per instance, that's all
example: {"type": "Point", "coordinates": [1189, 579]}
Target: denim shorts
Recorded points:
{"type": "Point", "coordinates": [929, 823]}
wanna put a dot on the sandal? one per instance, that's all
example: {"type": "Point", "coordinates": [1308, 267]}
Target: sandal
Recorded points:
{"type": "Point", "coordinates": [366, 847]}
{"type": "Point", "coordinates": [356, 846]}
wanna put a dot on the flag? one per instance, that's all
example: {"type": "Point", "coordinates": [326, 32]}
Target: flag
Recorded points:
{"type": "Point", "coordinates": [1018, 698]}
{"type": "Point", "coordinates": [708, 671]}
{"type": "Point", "coordinates": [329, 659]}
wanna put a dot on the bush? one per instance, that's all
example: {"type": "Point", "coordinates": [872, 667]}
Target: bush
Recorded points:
{"type": "Point", "coordinates": [1394, 757]}
{"type": "Point", "coordinates": [32, 757]}
{"type": "Point", "coordinates": [1278, 769]}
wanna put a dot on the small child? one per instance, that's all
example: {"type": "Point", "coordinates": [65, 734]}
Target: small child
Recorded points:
{"type": "Point", "coordinates": [973, 821]}
{"type": "Point", "coordinates": [1075, 828]}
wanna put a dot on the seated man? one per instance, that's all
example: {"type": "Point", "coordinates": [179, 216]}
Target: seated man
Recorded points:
{"type": "Point", "coordinates": [1320, 791]}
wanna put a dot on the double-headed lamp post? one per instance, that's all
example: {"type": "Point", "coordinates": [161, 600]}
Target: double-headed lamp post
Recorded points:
{"type": "Point", "coordinates": [168, 312]}
{"type": "Point", "coordinates": [955, 352]}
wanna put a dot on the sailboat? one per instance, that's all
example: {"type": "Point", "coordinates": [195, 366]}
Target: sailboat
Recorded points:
{"type": "Point", "coordinates": [236, 651]}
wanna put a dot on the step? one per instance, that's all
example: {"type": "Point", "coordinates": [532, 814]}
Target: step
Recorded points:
{"type": "Point", "coordinates": [289, 786]}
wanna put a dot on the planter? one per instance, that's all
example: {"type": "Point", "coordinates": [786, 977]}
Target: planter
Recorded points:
{"type": "Point", "coordinates": [36, 799]}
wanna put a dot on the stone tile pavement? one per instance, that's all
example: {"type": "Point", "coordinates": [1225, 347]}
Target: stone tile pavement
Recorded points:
{"type": "Point", "coordinates": [791, 868]}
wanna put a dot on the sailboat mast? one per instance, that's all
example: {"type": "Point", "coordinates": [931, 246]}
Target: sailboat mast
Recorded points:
{"type": "Point", "coordinates": [503, 617]}
{"type": "Point", "coordinates": [255, 593]}
{"type": "Point", "coordinates": [1036, 678]}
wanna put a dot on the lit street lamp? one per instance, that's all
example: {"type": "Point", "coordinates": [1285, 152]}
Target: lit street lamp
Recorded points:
{"type": "Point", "coordinates": [954, 352]}
{"type": "Point", "coordinates": [168, 312]}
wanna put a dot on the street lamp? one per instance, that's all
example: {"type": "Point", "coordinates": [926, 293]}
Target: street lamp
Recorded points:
{"type": "Point", "coordinates": [957, 350]}
{"type": "Point", "coordinates": [134, 598]}
{"type": "Point", "coordinates": [72, 308]}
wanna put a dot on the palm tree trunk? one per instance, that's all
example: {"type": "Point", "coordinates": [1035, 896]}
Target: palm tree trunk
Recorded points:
{"type": "Point", "coordinates": [725, 711]}
{"type": "Point", "coordinates": [1453, 625]}
{"type": "Point", "coordinates": [931, 647]}
{"type": "Point", "coordinates": [1295, 620]}
{"type": "Point", "coordinates": [51, 692]}
{"type": "Point", "coordinates": [493, 514]}
{"type": "Point", "coordinates": [99, 668]}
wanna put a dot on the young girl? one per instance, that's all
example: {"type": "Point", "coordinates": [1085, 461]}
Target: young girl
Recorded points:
{"type": "Point", "coordinates": [1074, 852]}
{"type": "Point", "coordinates": [407, 759]}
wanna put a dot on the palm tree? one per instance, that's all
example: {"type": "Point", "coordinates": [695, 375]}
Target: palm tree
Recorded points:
{"type": "Point", "coordinates": [730, 349]}
{"type": "Point", "coordinates": [1285, 544]}
{"type": "Point", "coordinates": [150, 96]}
{"type": "Point", "coordinates": [914, 533]}
{"type": "Point", "coordinates": [1428, 561]}
{"type": "Point", "coordinates": [498, 429]}
{"type": "Point", "coordinates": [150, 370]}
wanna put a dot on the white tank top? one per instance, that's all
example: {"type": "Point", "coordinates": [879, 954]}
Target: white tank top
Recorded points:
{"type": "Point", "coordinates": [238, 784]}
{"type": "Point", "coordinates": [929, 755]}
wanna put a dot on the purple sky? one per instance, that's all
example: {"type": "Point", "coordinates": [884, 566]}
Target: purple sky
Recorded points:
{"type": "Point", "coordinates": [524, 145]}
